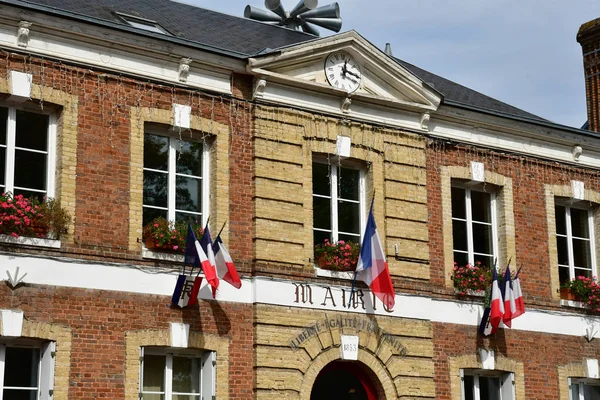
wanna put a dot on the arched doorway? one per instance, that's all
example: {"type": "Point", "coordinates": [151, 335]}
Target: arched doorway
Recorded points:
{"type": "Point", "coordinates": [343, 380]}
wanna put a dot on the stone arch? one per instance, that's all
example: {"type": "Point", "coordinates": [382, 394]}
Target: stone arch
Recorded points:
{"type": "Point", "coordinates": [372, 364]}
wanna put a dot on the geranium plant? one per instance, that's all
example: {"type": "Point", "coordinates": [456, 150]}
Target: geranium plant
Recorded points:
{"type": "Point", "coordinates": [586, 290]}
{"type": "Point", "coordinates": [340, 256]}
{"type": "Point", "coordinates": [471, 278]}
{"type": "Point", "coordinates": [162, 234]}
{"type": "Point", "coordinates": [23, 216]}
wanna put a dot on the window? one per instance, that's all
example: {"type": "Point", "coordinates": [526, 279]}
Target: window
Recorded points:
{"type": "Point", "coordinates": [26, 371]}
{"type": "Point", "coordinates": [474, 226]}
{"type": "Point", "coordinates": [582, 389]}
{"type": "Point", "coordinates": [338, 202]}
{"type": "Point", "coordinates": [175, 178]}
{"type": "Point", "coordinates": [170, 374]}
{"type": "Point", "coordinates": [487, 385]}
{"type": "Point", "coordinates": [26, 152]}
{"type": "Point", "coordinates": [574, 242]}
{"type": "Point", "coordinates": [142, 23]}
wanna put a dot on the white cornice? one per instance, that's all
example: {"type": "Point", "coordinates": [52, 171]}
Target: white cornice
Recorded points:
{"type": "Point", "coordinates": [119, 51]}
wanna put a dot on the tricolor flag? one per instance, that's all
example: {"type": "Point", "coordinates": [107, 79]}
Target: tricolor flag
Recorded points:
{"type": "Point", "coordinates": [196, 257]}
{"type": "Point", "coordinates": [493, 314]}
{"type": "Point", "coordinates": [372, 268]}
{"type": "Point", "coordinates": [210, 272]}
{"type": "Point", "coordinates": [186, 291]}
{"type": "Point", "coordinates": [225, 268]}
{"type": "Point", "coordinates": [508, 296]}
{"type": "Point", "coordinates": [520, 306]}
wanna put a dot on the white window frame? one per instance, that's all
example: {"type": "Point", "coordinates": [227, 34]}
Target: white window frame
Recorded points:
{"type": "Point", "coordinates": [569, 236]}
{"type": "Point", "coordinates": [172, 175]}
{"type": "Point", "coordinates": [469, 222]}
{"type": "Point", "coordinates": [581, 383]}
{"type": "Point", "coordinates": [206, 374]}
{"type": "Point", "coordinates": [507, 383]}
{"type": "Point", "coordinates": [45, 379]}
{"type": "Point", "coordinates": [333, 196]}
{"type": "Point", "coordinates": [11, 132]}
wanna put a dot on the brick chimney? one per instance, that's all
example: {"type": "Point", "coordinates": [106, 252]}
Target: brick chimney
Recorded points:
{"type": "Point", "coordinates": [589, 38]}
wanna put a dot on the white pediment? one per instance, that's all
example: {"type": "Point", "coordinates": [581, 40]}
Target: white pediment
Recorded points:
{"type": "Point", "coordinates": [384, 81]}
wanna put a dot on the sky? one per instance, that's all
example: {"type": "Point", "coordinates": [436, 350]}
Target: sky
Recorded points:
{"type": "Point", "coordinates": [522, 52]}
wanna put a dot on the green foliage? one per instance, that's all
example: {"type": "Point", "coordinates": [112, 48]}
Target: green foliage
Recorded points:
{"type": "Point", "coordinates": [168, 235]}
{"type": "Point", "coordinates": [23, 216]}
{"type": "Point", "coordinates": [340, 256]}
{"type": "Point", "coordinates": [586, 290]}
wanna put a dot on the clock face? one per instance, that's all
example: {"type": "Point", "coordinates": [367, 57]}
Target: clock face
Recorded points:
{"type": "Point", "coordinates": [342, 71]}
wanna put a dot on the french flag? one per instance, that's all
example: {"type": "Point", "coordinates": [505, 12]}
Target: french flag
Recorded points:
{"type": "Point", "coordinates": [210, 272]}
{"type": "Point", "coordinates": [493, 314]}
{"type": "Point", "coordinates": [197, 257]}
{"type": "Point", "coordinates": [510, 306]}
{"type": "Point", "coordinates": [186, 291]}
{"type": "Point", "coordinates": [518, 294]}
{"type": "Point", "coordinates": [372, 268]}
{"type": "Point", "coordinates": [225, 268]}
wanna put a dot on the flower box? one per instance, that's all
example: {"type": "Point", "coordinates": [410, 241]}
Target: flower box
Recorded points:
{"type": "Point", "coordinates": [340, 256]}
{"type": "Point", "coordinates": [585, 290]}
{"type": "Point", "coordinates": [165, 236]}
{"type": "Point", "coordinates": [566, 294]}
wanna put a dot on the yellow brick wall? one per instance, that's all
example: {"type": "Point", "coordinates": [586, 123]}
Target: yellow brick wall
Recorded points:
{"type": "Point", "coordinates": [285, 372]}
{"type": "Point", "coordinates": [284, 146]}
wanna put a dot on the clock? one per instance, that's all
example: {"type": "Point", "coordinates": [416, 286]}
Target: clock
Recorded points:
{"type": "Point", "coordinates": [342, 71]}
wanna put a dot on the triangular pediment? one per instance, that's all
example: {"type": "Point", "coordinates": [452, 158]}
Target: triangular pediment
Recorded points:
{"type": "Point", "coordinates": [382, 79]}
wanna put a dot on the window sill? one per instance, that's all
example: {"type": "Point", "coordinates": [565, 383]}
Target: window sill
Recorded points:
{"type": "Point", "coordinates": [348, 275]}
{"type": "Point", "coordinates": [572, 304]}
{"type": "Point", "coordinates": [470, 293]}
{"type": "Point", "coordinates": [29, 241]}
{"type": "Point", "coordinates": [157, 255]}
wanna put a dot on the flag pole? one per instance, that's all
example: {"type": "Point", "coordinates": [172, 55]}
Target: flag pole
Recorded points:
{"type": "Point", "coordinates": [352, 290]}
{"type": "Point", "coordinates": [225, 223]}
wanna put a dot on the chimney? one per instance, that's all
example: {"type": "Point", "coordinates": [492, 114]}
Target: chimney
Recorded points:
{"type": "Point", "coordinates": [589, 39]}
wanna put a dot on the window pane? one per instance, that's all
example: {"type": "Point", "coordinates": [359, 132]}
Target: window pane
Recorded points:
{"type": "Point", "coordinates": [349, 183]}
{"type": "Point", "coordinates": [575, 391]}
{"type": "Point", "coordinates": [189, 158]}
{"type": "Point", "coordinates": [150, 214]}
{"type": "Point", "coordinates": [186, 373]}
{"type": "Point", "coordinates": [581, 253]}
{"type": "Point", "coordinates": [480, 206]}
{"type": "Point", "coordinates": [579, 223]}
{"type": "Point", "coordinates": [583, 272]}
{"type": "Point", "coordinates": [154, 370]}
{"type": "Point", "coordinates": [321, 213]}
{"type": "Point", "coordinates": [188, 216]}
{"type": "Point", "coordinates": [188, 193]}
{"type": "Point", "coordinates": [461, 259]}
{"type": "Point", "coordinates": [29, 194]}
{"type": "Point", "coordinates": [563, 250]}
{"type": "Point", "coordinates": [348, 217]}
{"type": "Point", "coordinates": [469, 387]}
{"type": "Point", "coordinates": [21, 367]}
{"type": "Point", "coordinates": [3, 122]}
{"type": "Point", "coordinates": [2, 166]}
{"type": "Point", "coordinates": [489, 388]}
{"type": "Point", "coordinates": [32, 131]}
{"type": "Point", "coordinates": [320, 236]}
{"type": "Point", "coordinates": [591, 392]}
{"type": "Point", "coordinates": [482, 238]}
{"type": "Point", "coordinates": [458, 203]}
{"type": "Point", "coordinates": [563, 275]}
{"type": "Point", "coordinates": [321, 179]}
{"type": "Point", "coordinates": [147, 396]}
{"type": "Point", "coordinates": [488, 261]}
{"type": "Point", "coordinates": [14, 394]}
{"type": "Point", "coordinates": [459, 235]}
{"type": "Point", "coordinates": [186, 396]}
{"type": "Point", "coordinates": [560, 215]}
{"type": "Point", "coordinates": [155, 189]}
{"type": "Point", "coordinates": [30, 170]}
{"type": "Point", "coordinates": [156, 152]}
{"type": "Point", "coordinates": [350, 238]}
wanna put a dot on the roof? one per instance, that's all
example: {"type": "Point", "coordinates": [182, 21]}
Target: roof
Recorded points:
{"type": "Point", "coordinates": [211, 28]}
{"type": "Point", "coordinates": [456, 94]}
{"type": "Point", "coordinates": [241, 37]}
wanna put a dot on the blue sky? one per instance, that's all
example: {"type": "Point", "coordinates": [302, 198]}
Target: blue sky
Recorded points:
{"type": "Point", "coordinates": [522, 52]}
